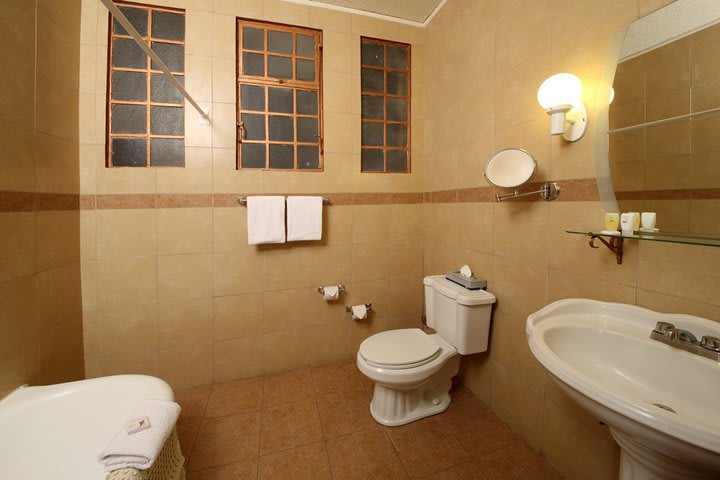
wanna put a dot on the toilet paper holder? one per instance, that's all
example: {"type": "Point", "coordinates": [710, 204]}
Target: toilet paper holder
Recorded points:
{"type": "Point", "coordinates": [341, 288]}
{"type": "Point", "coordinates": [368, 306]}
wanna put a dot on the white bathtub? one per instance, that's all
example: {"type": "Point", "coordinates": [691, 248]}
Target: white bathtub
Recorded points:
{"type": "Point", "coordinates": [57, 431]}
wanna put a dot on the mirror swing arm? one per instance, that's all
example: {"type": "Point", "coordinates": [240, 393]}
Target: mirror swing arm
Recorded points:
{"type": "Point", "coordinates": [548, 191]}
{"type": "Point", "coordinates": [513, 168]}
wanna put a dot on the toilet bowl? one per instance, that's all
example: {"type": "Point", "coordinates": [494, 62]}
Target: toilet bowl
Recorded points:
{"type": "Point", "coordinates": [413, 370]}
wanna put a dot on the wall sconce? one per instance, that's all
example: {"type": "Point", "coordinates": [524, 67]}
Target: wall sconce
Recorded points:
{"type": "Point", "coordinates": [560, 96]}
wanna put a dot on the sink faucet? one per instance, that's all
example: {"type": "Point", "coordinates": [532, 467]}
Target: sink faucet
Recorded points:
{"type": "Point", "coordinates": [666, 333]}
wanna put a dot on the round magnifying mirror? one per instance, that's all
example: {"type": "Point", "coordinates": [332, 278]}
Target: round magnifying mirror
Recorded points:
{"type": "Point", "coordinates": [510, 168]}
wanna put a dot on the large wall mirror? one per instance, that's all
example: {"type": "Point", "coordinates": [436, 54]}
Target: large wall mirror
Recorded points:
{"type": "Point", "coordinates": [664, 120]}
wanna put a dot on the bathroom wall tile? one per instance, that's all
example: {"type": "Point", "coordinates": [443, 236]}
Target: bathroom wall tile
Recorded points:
{"type": "Point", "coordinates": [518, 405]}
{"type": "Point", "coordinates": [529, 244]}
{"type": "Point", "coordinates": [330, 265]}
{"type": "Point", "coordinates": [406, 222]}
{"type": "Point", "coordinates": [56, 164]}
{"type": "Point", "coordinates": [238, 358]}
{"type": "Point", "coordinates": [199, 78]}
{"type": "Point", "coordinates": [88, 271]}
{"type": "Point", "coordinates": [187, 365]}
{"type": "Point", "coordinates": [230, 230]}
{"type": "Point", "coordinates": [18, 162]}
{"type": "Point", "coordinates": [325, 340]}
{"type": "Point", "coordinates": [64, 341]}
{"type": "Point", "coordinates": [237, 316]}
{"type": "Point", "coordinates": [286, 267]}
{"type": "Point", "coordinates": [289, 310]}
{"type": "Point", "coordinates": [282, 351]}
{"type": "Point", "coordinates": [58, 238]}
{"type": "Point", "coordinates": [520, 288]}
{"type": "Point", "coordinates": [668, 95]}
{"type": "Point", "coordinates": [17, 244]}
{"type": "Point", "coordinates": [513, 355]}
{"type": "Point", "coordinates": [184, 230]}
{"type": "Point", "coordinates": [223, 80]}
{"type": "Point", "coordinates": [59, 295]}
{"type": "Point", "coordinates": [476, 374]}
{"type": "Point", "coordinates": [19, 320]}
{"type": "Point", "coordinates": [671, 304]}
{"type": "Point", "coordinates": [126, 233]}
{"type": "Point", "coordinates": [278, 11]}
{"type": "Point", "coordinates": [114, 288]}
{"type": "Point", "coordinates": [475, 230]}
{"type": "Point", "coordinates": [705, 67]}
{"type": "Point", "coordinates": [184, 322]}
{"type": "Point", "coordinates": [247, 9]}
{"type": "Point", "coordinates": [238, 273]}
{"type": "Point", "coordinates": [183, 277]}
{"type": "Point", "coordinates": [223, 36]}
{"type": "Point", "coordinates": [129, 328]}
{"type": "Point", "coordinates": [563, 284]}
{"type": "Point", "coordinates": [364, 264]}
{"type": "Point", "coordinates": [405, 259]}
{"type": "Point", "coordinates": [371, 223]}
{"type": "Point", "coordinates": [125, 180]}
{"type": "Point", "coordinates": [198, 33]}
{"type": "Point", "coordinates": [224, 125]}
{"type": "Point", "coordinates": [629, 104]}
{"type": "Point", "coordinates": [142, 363]}
{"type": "Point", "coordinates": [196, 177]}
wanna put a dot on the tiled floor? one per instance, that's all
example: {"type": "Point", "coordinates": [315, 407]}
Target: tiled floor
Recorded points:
{"type": "Point", "coordinates": [315, 424]}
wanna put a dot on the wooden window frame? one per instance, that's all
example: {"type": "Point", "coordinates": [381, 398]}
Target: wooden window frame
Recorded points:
{"type": "Point", "coordinates": [385, 96]}
{"type": "Point", "coordinates": [149, 72]}
{"type": "Point", "coordinates": [267, 81]}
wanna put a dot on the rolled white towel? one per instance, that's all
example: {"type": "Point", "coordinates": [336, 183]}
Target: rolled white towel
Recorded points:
{"type": "Point", "coordinates": [141, 449]}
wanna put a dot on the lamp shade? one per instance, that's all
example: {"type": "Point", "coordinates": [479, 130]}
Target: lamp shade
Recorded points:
{"type": "Point", "coordinates": [560, 89]}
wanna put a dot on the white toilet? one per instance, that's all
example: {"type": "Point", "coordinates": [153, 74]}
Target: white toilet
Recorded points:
{"type": "Point", "coordinates": [412, 370]}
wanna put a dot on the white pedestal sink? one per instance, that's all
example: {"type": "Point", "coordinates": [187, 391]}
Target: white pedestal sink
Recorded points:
{"type": "Point", "coordinates": [662, 404]}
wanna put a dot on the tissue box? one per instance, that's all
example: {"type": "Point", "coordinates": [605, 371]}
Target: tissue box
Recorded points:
{"type": "Point", "coordinates": [472, 283]}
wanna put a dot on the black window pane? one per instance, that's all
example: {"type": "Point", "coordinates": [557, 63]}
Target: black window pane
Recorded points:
{"type": "Point", "coordinates": [397, 161]}
{"type": "Point", "coordinates": [304, 45]}
{"type": "Point", "coordinates": [167, 152]}
{"type": "Point", "coordinates": [252, 98]}
{"type": "Point", "coordinates": [172, 55]}
{"type": "Point", "coordinates": [254, 126]}
{"type": "Point", "coordinates": [308, 157]}
{"type": "Point", "coordinates": [371, 160]}
{"type": "Point", "coordinates": [397, 83]}
{"type": "Point", "coordinates": [281, 128]}
{"type": "Point", "coordinates": [397, 109]}
{"type": "Point", "coordinates": [280, 42]}
{"type": "Point", "coordinates": [128, 119]}
{"type": "Point", "coordinates": [253, 155]}
{"type": "Point", "coordinates": [372, 134]}
{"type": "Point", "coordinates": [373, 107]}
{"type": "Point", "coordinates": [373, 54]}
{"type": "Point", "coordinates": [396, 135]}
{"type": "Point", "coordinates": [280, 100]}
{"type": "Point", "coordinates": [167, 121]}
{"type": "Point", "coordinates": [279, 67]}
{"type": "Point", "coordinates": [307, 129]}
{"type": "Point", "coordinates": [254, 64]}
{"type": "Point", "coordinates": [397, 57]}
{"type": "Point", "coordinates": [129, 86]}
{"type": "Point", "coordinates": [126, 53]}
{"type": "Point", "coordinates": [162, 91]}
{"type": "Point", "coordinates": [168, 25]}
{"type": "Point", "coordinates": [128, 152]}
{"type": "Point", "coordinates": [307, 102]}
{"type": "Point", "coordinates": [305, 70]}
{"type": "Point", "coordinates": [282, 156]}
{"type": "Point", "coordinates": [253, 39]}
{"type": "Point", "coordinates": [372, 80]}
{"type": "Point", "coordinates": [138, 18]}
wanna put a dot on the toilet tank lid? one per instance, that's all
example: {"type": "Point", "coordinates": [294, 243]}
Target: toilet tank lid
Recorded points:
{"type": "Point", "coordinates": [460, 294]}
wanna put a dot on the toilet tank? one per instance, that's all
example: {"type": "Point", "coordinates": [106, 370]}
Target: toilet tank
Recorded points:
{"type": "Point", "coordinates": [460, 316]}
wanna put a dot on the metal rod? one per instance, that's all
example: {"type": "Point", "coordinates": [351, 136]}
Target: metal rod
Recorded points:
{"type": "Point", "coordinates": [665, 120]}
{"type": "Point", "coordinates": [243, 201]}
{"type": "Point", "coordinates": [122, 19]}
{"type": "Point", "coordinates": [549, 191]}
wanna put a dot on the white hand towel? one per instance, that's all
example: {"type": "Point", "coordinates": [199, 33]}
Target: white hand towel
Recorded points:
{"type": "Point", "coordinates": [304, 218]}
{"type": "Point", "coordinates": [140, 450]}
{"type": "Point", "coordinates": [265, 220]}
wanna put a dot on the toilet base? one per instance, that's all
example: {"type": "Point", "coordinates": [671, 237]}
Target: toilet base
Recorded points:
{"type": "Point", "coordinates": [393, 406]}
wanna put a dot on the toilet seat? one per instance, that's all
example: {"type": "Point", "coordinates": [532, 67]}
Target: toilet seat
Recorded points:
{"type": "Point", "coordinates": [399, 349]}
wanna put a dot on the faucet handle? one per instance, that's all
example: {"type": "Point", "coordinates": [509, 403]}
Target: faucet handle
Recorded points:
{"type": "Point", "coordinates": [664, 327]}
{"type": "Point", "coordinates": [710, 342]}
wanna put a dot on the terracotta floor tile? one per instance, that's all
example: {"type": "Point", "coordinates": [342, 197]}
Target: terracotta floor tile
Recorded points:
{"type": "Point", "coordinates": [460, 393]}
{"type": "Point", "coordinates": [290, 426]}
{"type": "Point", "coordinates": [290, 387]}
{"type": "Point", "coordinates": [245, 470]}
{"type": "Point", "coordinates": [516, 462]}
{"type": "Point", "coordinates": [309, 462]}
{"type": "Point", "coordinates": [192, 403]}
{"type": "Point", "coordinates": [364, 455]}
{"type": "Point", "coordinates": [234, 397]}
{"type": "Point", "coordinates": [427, 446]}
{"type": "Point", "coordinates": [226, 440]}
{"type": "Point", "coordinates": [369, 386]}
{"type": "Point", "coordinates": [187, 432]}
{"type": "Point", "coordinates": [343, 413]}
{"type": "Point", "coordinates": [337, 377]}
{"type": "Point", "coordinates": [464, 471]}
{"type": "Point", "coordinates": [476, 427]}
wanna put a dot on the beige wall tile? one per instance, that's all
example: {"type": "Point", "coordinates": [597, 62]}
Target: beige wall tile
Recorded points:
{"type": "Point", "coordinates": [199, 78]}
{"type": "Point", "coordinates": [236, 273]}
{"type": "Point", "coordinates": [198, 33]}
{"type": "Point", "coordinates": [58, 238]}
{"type": "Point", "coordinates": [17, 244]}
{"type": "Point", "coordinates": [184, 323]}
{"type": "Point", "coordinates": [143, 363]}
{"type": "Point", "coordinates": [196, 177]}
{"type": "Point", "coordinates": [187, 366]}
{"type": "Point", "coordinates": [570, 285]}
{"type": "Point", "coordinates": [671, 304]}
{"type": "Point", "coordinates": [18, 161]}
{"type": "Point", "coordinates": [518, 405]}
{"type": "Point", "coordinates": [126, 233]}
{"type": "Point", "coordinates": [527, 244]}
{"type": "Point", "coordinates": [237, 316]}
{"type": "Point", "coordinates": [59, 294]}
{"type": "Point", "coordinates": [238, 358]}
{"type": "Point", "coordinates": [127, 280]}
{"type": "Point", "coordinates": [184, 230]}
{"type": "Point", "coordinates": [183, 277]}
{"type": "Point", "coordinates": [128, 328]}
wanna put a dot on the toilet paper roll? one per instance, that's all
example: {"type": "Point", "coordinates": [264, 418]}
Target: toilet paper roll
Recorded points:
{"type": "Point", "coordinates": [331, 293]}
{"type": "Point", "coordinates": [359, 312]}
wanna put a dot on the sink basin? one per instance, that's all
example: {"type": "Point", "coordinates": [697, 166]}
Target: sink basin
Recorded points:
{"type": "Point", "coordinates": [660, 402]}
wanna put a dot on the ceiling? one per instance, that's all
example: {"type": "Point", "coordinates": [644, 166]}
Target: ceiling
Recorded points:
{"type": "Point", "coordinates": [411, 11]}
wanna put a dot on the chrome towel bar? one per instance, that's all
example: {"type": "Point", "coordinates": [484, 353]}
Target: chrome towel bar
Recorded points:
{"type": "Point", "coordinates": [243, 201]}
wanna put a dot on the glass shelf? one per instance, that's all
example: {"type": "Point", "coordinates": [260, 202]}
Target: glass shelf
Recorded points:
{"type": "Point", "coordinates": [614, 241]}
{"type": "Point", "coordinates": [667, 237]}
